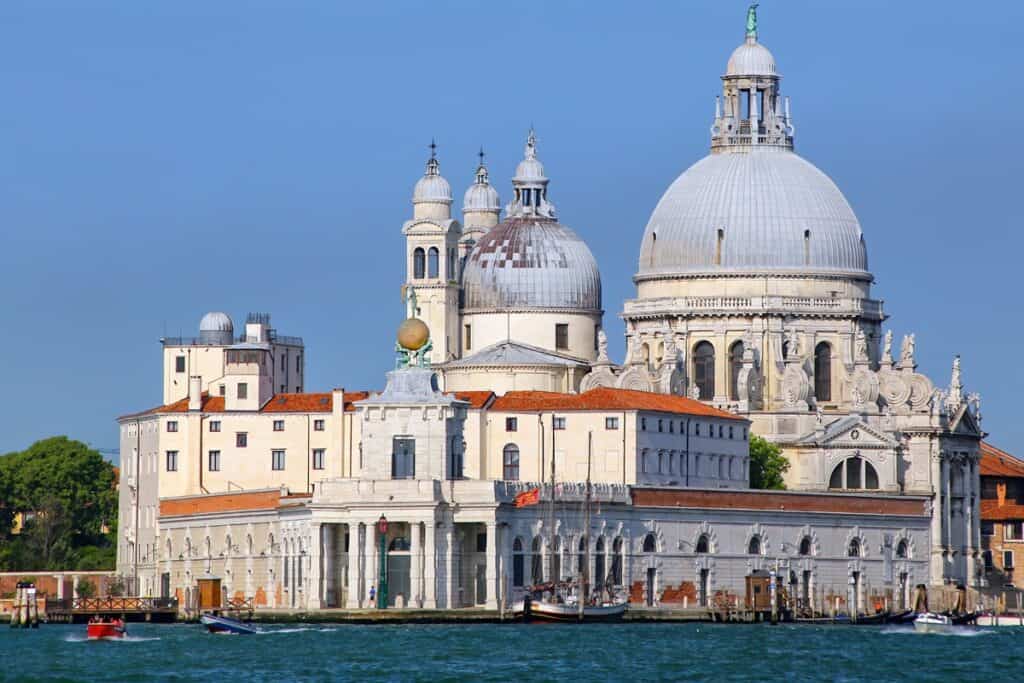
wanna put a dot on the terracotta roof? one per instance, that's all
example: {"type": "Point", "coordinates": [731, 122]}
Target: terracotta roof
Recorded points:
{"type": "Point", "coordinates": [226, 502]}
{"type": "Point", "coordinates": [476, 399]}
{"type": "Point", "coordinates": [992, 511]}
{"type": "Point", "coordinates": [280, 403]}
{"type": "Point", "coordinates": [782, 501]}
{"type": "Point", "coordinates": [604, 398]}
{"type": "Point", "coordinates": [996, 462]}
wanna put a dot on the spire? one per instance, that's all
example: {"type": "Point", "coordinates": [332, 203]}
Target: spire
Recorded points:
{"type": "Point", "coordinates": [481, 170]}
{"type": "Point", "coordinates": [433, 167]}
{"type": "Point", "coordinates": [752, 22]}
{"type": "Point", "coordinates": [530, 185]}
{"type": "Point", "coordinates": [956, 387]}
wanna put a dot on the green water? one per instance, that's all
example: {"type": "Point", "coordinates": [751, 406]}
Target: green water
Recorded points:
{"type": "Point", "coordinates": [523, 652]}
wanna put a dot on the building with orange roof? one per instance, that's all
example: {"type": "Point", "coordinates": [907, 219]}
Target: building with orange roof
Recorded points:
{"type": "Point", "coordinates": [1002, 516]}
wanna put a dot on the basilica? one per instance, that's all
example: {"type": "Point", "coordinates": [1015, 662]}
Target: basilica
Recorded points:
{"type": "Point", "coordinates": [753, 315]}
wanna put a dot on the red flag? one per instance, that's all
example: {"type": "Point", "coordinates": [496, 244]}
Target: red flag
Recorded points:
{"type": "Point", "coordinates": [531, 497]}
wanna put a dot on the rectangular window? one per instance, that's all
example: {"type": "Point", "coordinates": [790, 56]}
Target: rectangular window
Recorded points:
{"type": "Point", "coordinates": [558, 423]}
{"type": "Point", "coordinates": [172, 425]}
{"type": "Point", "coordinates": [243, 390]}
{"type": "Point", "coordinates": [696, 428]}
{"type": "Point", "coordinates": [318, 458]}
{"type": "Point", "coordinates": [481, 543]}
{"type": "Point", "coordinates": [643, 424]}
{"type": "Point", "coordinates": [671, 427]}
{"type": "Point", "coordinates": [468, 331]}
{"type": "Point", "coordinates": [214, 461]}
{"type": "Point", "coordinates": [172, 461]}
{"type": "Point", "coordinates": [611, 423]}
{"type": "Point", "coordinates": [278, 425]}
{"type": "Point", "coordinates": [403, 458]}
{"type": "Point", "coordinates": [1011, 531]}
{"type": "Point", "coordinates": [179, 364]}
{"type": "Point", "coordinates": [988, 529]}
{"type": "Point", "coordinates": [318, 425]}
{"type": "Point", "coordinates": [214, 425]}
{"type": "Point", "coordinates": [1007, 559]}
{"type": "Point", "coordinates": [562, 336]}
{"type": "Point", "coordinates": [277, 460]}
{"type": "Point", "coordinates": [661, 425]}
{"type": "Point", "coordinates": [511, 424]}
{"type": "Point", "coordinates": [222, 390]}
{"type": "Point", "coordinates": [721, 431]}
{"type": "Point", "coordinates": [987, 556]}
{"type": "Point", "coordinates": [241, 439]}
{"type": "Point", "coordinates": [730, 432]}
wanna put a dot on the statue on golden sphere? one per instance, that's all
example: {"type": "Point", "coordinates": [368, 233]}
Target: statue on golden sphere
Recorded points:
{"type": "Point", "coordinates": [413, 344]}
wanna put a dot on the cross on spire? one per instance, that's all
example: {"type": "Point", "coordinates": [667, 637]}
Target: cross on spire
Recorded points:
{"type": "Point", "coordinates": [433, 149]}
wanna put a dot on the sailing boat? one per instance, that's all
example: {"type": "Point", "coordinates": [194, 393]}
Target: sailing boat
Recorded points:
{"type": "Point", "coordinates": [566, 601]}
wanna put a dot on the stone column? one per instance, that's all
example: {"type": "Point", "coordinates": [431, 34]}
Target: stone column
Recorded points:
{"type": "Point", "coordinates": [371, 563]}
{"type": "Point", "coordinates": [415, 558]}
{"type": "Point", "coordinates": [356, 592]}
{"type": "Point", "coordinates": [505, 568]}
{"type": "Point", "coordinates": [947, 510]}
{"type": "Point", "coordinates": [937, 519]}
{"type": "Point", "coordinates": [450, 582]}
{"type": "Point", "coordinates": [328, 562]}
{"type": "Point", "coordinates": [429, 566]}
{"type": "Point", "coordinates": [492, 566]}
{"type": "Point", "coordinates": [313, 591]}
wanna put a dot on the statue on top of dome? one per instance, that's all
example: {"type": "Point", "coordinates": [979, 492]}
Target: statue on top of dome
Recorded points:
{"type": "Point", "coordinates": [752, 20]}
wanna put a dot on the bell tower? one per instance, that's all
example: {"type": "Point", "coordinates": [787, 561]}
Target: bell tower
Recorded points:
{"type": "Point", "coordinates": [431, 245]}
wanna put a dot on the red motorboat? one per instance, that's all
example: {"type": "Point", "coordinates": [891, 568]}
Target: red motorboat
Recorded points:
{"type": "Point", "coordinates": [101, 628]}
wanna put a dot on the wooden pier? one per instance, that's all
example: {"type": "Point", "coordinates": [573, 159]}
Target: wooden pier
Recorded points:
{"type": "Point", "coordinates": [80, 610]}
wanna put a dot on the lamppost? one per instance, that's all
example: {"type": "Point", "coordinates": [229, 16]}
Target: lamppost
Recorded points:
{"type": "Point", "coordinates": [382, 583]}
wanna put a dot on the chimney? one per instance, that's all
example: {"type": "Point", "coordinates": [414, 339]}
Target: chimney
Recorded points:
{"type": "Point", "coordinates": [195, 392]}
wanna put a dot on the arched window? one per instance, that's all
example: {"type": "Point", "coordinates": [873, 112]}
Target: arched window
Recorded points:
{"type": "Point", "coordinates": [169, 549]}
{"type": "Point", "coordinates": [702, 545]}
{"type": "Point", "coordinates": [518, 568]}
{"type": "Point", "coordinates": [536, 567]}
{"type": "Point", "coordinates": [398, 544]}
{"type": "Point", "coordinates": [754, 547]}
{"type": "Point", "coordinates": [735, 365]}
{"type": "Point", "coordinates": [599, 568]}
{"type": "Point", "coordinates": [432, 262]}
{"type": "Point", "coordinates": [854, 473]}
{"type": "Point", "coordinates": [581, 557]}
{"type": "Point", "coordinates": [805, 545]}
{"type": "Point", "coordinates": [854, 549]}
{"type": "Point", "coordinates": [650, 543]}
{"type": "Point", "coordinates": [419, 263]}
{"type": "Point", "coordinates": [616, 572]}
{"type": "Point", "coordinates": [902, 549]}
{"type": "Point", "coordinates": [704, 369]}
{"type": "Point", "coordinates": [823, 371]}
{"type": "Point", "coordinates": [510, 462]}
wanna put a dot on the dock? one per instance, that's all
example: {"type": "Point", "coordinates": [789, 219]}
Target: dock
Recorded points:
{"type": "Point", "coordinates": [80, 610]}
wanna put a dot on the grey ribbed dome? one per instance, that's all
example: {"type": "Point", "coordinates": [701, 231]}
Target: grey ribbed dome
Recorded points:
{"type": "Point", "coordinates": [751, 59]}
{"type": "Point", "coordinates": [776, 211]}
{"type": "Point", "coordinates": [531, 262]}
{"type": "Point", "coordinates": [216, 328]}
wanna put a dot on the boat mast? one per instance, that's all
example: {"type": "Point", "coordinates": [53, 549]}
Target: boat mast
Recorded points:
{"type": "Point", "coordinates": [551, 507]}
{"type": "Point", "coordinates": [585, 569]}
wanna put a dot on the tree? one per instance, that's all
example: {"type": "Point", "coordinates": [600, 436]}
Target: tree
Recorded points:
{"type": "Point", "coordinates": [66, 495]}
{"type": "Point", "coordinates": [767, 465]}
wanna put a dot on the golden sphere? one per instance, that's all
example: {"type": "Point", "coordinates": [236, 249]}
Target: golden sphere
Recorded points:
{"type": "Point", "coordinates": [413, 333]}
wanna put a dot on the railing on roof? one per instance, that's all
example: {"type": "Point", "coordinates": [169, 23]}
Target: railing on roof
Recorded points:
{"type": "Point", "coordinates": [275, 338]}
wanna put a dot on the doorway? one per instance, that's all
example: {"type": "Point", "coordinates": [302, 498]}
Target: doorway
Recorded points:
{"type": "Point", "coordinates": [652, 574]}
{"type": "Point", "coordinates": [165, 585]}
{"type": "Point", "coordinates": [702, 595]}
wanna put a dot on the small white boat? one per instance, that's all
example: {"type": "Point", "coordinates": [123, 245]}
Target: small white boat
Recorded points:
{"type": "Point", "coordinates": [929, 622]}
{"type": "Point", "coordinates": [544, 610]}
{"type": "Point", "coordinates": [219, 624]}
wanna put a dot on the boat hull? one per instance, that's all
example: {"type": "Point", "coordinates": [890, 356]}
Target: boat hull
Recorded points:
{"type": "Point", "coordinates": [105, 630]}
{"type": "Point", "coordinates": [546, 611]}
{"type": "Point", "coordinates": [215, 624]}
{"type": "Point", "coordinates": [929, 627]}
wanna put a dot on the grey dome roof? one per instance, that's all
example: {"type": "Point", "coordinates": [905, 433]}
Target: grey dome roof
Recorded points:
{"type": "Point", "coordinates": [481, 198]}
{"type": "Point", "coordinates": [777, 212]}
{"type": "Point", "coordinates": [432, 188]}
{"type": "Point", "coordinates": [531, 262]}
{"type": "Point", "coordinates": [751, 59]}
{"type": "Point", "coordinates": [216, 328]}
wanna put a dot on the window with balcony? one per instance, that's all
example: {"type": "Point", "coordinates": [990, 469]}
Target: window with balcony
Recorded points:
{"type": "Point", "coordinates": [510, 462]}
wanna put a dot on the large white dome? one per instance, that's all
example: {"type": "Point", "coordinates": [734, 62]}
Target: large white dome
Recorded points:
{"type": "Point", "coordinates": [776, 212]}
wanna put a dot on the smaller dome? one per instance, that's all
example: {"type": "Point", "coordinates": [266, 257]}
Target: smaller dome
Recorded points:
{"type": "Point", "coordinates": [432, 187]}
{"type": "Point", "coordinates": [481, 197]}
{"type": "Point", "coordinates": [216, 328]}
{"type": "Point", "coordinates": [413, 333]}
{"type": "Point", "coordinates": [530, 169]}
{"type": "Point", "coordinates": [751, 59]}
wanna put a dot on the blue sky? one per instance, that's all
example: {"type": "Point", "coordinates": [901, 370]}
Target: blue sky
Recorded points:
{"type": "Point", "coordinates": [160, 160]}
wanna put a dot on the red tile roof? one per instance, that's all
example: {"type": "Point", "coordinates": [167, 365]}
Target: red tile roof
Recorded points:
{"type": "Point", "coordinates": [605, 398]}
{"type": "Point", "coordinates": [992, 511]}
{"type": "Point", "coordinates": [228, 502]}
{"type": "Point", "coordinates": [996, 462]}
{"type": "Point", "coordinates": [476, 399]}
{"type": "Point", "coordinates": [280, 403]}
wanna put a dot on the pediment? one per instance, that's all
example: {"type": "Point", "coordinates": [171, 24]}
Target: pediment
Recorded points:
{"type": "Point", "coordinates": [850, 432]}
{"type": "Point", "coordinates": [963, 423]}
{"type": "Point", "coordinates": [428, 226]}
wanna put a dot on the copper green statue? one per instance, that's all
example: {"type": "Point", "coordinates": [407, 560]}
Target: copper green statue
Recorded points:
{"type": "Point", "coordinates": [752, 21]}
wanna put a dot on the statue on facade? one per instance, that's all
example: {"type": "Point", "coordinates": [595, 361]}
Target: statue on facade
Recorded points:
{"type": "Point", "coordinates": [694, 392]}
{"type": "Point", "coordinates": [907, 352]}
{"type": "Point", "coordinates": [752, 20]}
{"type": "Point", "coordinates": [602, 347]}
{"type": "Point", "coordinates": [860, 347]}
{"type": "Point", "coordinates": [887, 348]}
{"type": "Point", "coordinates": [412, 343]}
{"type": "Point", "coordinates": [956, 387]}
{"type": "Point", "coordinates": [792, 343]}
